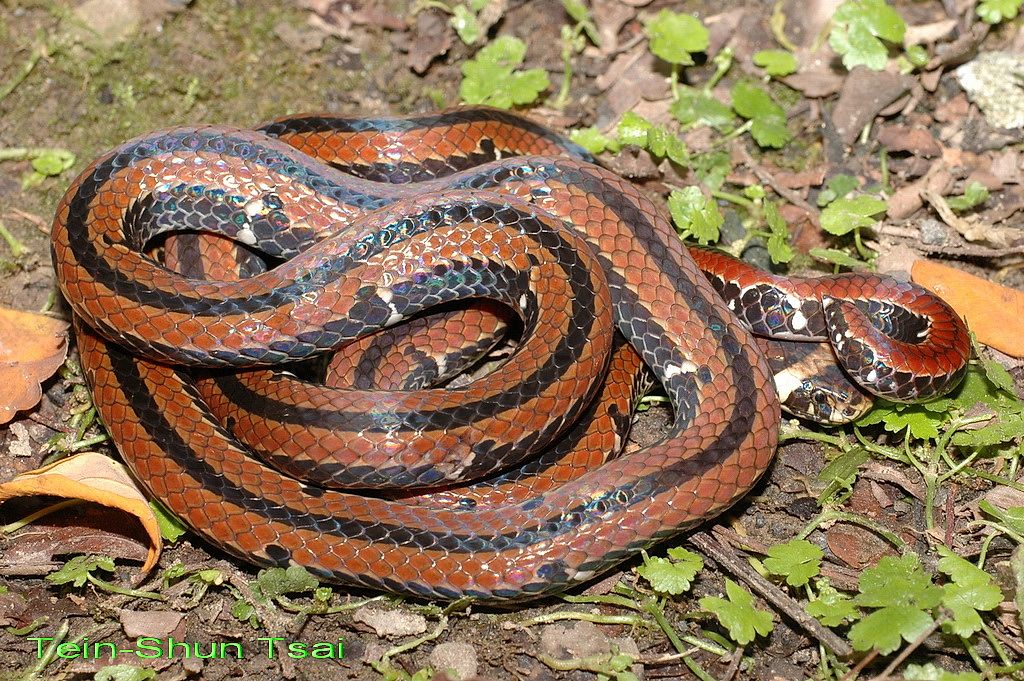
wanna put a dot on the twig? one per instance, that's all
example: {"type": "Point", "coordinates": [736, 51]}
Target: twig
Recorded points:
{"type": "Point", "coordinates": [965, 249]}
{"type": "Point", "coordinates": [39, 222]}
{"type": "Point", "coordinates": [21, 75]}
{"type": "Point", "coordinates": [734, 666]}
{"type": "Point", "coordinates": [859, 667]}
{"type": "Point", "coordinates": [769, 179]}
{"type": "Point", "coordinates": [728, 559]}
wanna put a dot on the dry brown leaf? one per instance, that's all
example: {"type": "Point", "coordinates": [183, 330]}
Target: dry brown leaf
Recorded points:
{"type": "Point", "coordinates": [90, 477]}
{"type": "Point", "coordinates": [929, 33]}
{"type": "Point", "coordinates": [915, 140]}
{"type": "Point", "coordinates": [994, 313]}
{"type": "Point", "coordinates": [973, 228]}
{"type": "Point", "coordinates": [32, 347]}
{"type": "Point", "coordinates": [864, 94]}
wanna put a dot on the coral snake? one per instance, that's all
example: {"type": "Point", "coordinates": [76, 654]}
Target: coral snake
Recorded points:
{"type": "Point", "coordinates": [321, 233]}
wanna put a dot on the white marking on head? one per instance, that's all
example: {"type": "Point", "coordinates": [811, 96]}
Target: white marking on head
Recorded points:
{"type": "Point", "coordinates": [872, 376]}
{"type": "Point", "coordinates": [799, 321]}
{"type": "Point", "coordinates": [786, 381]}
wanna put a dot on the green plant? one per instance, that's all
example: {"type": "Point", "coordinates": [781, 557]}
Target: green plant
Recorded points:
{"type": "Point", "coordinates": [845, 216]}
{"type": "Point", "coordinates": [859, 28]}
{"type": "Point", "coordinates": [675, 38]}
{"type": "Point", "coordinates": [573, 41]}
{"type": "Point", "coordinates": [776, 62]}
{"type": "Point", "coordinates": [997, 11]}
{"type": "Point", "coordinates": [491, 78]}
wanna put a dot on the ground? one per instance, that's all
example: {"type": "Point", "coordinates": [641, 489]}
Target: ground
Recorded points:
{"type": "Point", "coordinates": [84, 77]}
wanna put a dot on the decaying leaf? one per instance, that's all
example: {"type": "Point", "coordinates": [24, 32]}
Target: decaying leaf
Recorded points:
{"type": "Point", "coordinates": [90, 477]}
{"type": "Point", "coordinates": [994, 313]}
{"type": "Point", "coordinates": [32, 347]}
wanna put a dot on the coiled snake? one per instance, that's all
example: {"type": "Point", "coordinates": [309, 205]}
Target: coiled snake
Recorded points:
{"type": "Point", "coordinates": [466, 223]}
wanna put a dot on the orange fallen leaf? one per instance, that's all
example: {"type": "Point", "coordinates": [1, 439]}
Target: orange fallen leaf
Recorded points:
{"type": "Point", "coordinates": [994, 313]}
{"type": "Point", "coordinates": [32, 347]}
{"type": "Point", "coordinates": [90, 477]}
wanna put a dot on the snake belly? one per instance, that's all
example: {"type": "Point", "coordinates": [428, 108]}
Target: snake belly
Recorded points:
{"type": "Point", "coordinates": [531, 531]}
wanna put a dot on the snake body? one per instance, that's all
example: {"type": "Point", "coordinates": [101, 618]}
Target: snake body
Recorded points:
{"type": "Point", "coordinates": [429, 211]}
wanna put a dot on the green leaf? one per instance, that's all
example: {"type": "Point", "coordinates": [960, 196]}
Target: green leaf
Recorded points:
{"type": "Point", "coordinates": [975, 194]}
{"type": "Point", "coordinates": [919, 419]}
{"type": "Point", "coordinates": [53, 162]}
{"type": "Point", "coordinates": [754, 192]}
{"type": "Point", "coordinates": [738, 614]}
{"type": "Point", "coordinates": [665, 144]}
{"type": "Point", "coordinates": [837, 187]}
{"type": "Point", "coordinates": [465, 24]}
{"type": "Point", "coordinates": [274, 582]}
{"type": "Point", "coordinates": [244, 611]}
{"type": "Point", "coordinates": [695, 107]}
{"type": "Point", "coordinates": [491, 77]}
{"type": "Point", "coordinates": [695, 215]}
{"type": "Point", "coordinates": [996, 11]}
{"type": "Point", "coordinates": [778, 240]}
{"type": "Point", "coordinates": [971, 590]}
{"type": "Point", "coordinates": [1002, 428]}
{"type": "Point", "coordinates": [798, 560]}
{"type": "Point", "coordinates": [674, 37]}
{"type": "Point", "coordinates": [998, 376]}
{"type": "Point", "coordinates": [858, 28]}
{"type": "Point", "coordinates": [632, 129]}
{"type": "Point", "coordinates": [768, 119]}
{"type": "Point", "coordinates": [581, 15]}
{"type": "Point", "coordinates": [883, 629]}
{"type": "Point", "coordinates": [841, 471]}
{"type": "Point", "coordinates": [171, 527]}
{"type": "Point", "coordinates": [124, 672]}
{"type": "Point", "coordinates": [917, 55]}
{"type": "Point", "coordinates": [841, 258]}
{"type": "Point", "coordinates": [1012, 518]}
{"type": "Point", "coordinates": [635, 129]}
{"type": "Point", "coordinates": [831, 607]}
{"type": "Point", "coordinates": [593, 141]}
{"type": "Point", "coordinates": [897, 581]}
{"type": "Point", "coordinates": [76, 571]}
{"type": "Point", "coordinates": [671, 576]}
{"type": "Point", "coordinates": [776, 62]}
{"type": "Point", "coordinates": [845, 215]}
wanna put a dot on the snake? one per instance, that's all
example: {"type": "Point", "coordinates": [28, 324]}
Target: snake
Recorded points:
{"type": "Point", "coordinates": [212, 271]}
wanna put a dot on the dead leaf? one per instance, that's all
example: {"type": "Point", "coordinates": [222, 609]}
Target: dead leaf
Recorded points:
{"type": "Point", "coordinates": [431, 38]}
{"type": "Point", "coordinates": [907, 199]}
{"type": "Point", "coordinates": [157, 623]}
{"type": "Point", "coordinates": [32, 347]}
{"type": "Point", "coordinates": [864, 94]}
{"type": "Point", "coordinates": [929, 33]}
{"type": "Point", "coordinates": [994, 313]}
{"type": "Point", "coordinates": [305, 39]}
{"type": "Point", "coordinates": [815, 83]}
{"type": "Point", "coordinates": [915, 140]}
{"type": "Point", "coordinates": [79, 529]}
{"type": "Point", "coordinates": [610, 16]}
{"type": "Point", "coordinates": [90, 477]}
{"type": "Point", "coordinates": [973, 228]}
{"type": "Point", "coordinates": [855, 546]}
